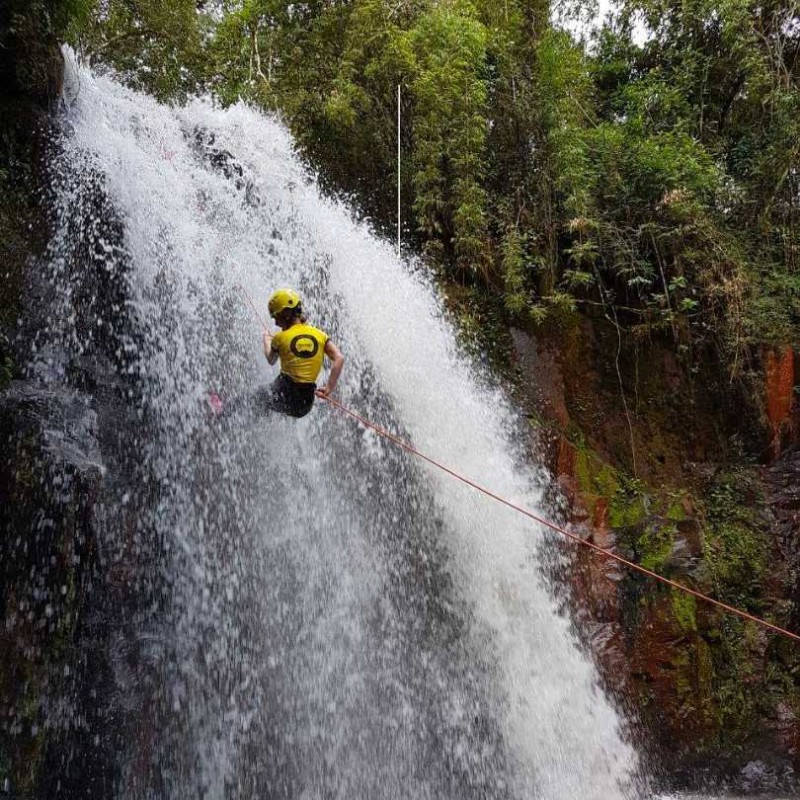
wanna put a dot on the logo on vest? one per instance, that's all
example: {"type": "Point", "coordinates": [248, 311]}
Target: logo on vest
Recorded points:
{"type": "Point", "coordinates": [304, 346]}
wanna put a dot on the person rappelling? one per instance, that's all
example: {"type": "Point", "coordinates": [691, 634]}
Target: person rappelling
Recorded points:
{"type": "Point", "coordinates": [301, 349]}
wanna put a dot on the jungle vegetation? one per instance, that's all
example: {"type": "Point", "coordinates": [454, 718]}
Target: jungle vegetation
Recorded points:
{"type": "Point", "coordinates": [648, 167]}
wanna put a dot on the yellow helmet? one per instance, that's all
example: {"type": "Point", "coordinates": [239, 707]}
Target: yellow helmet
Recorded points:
{"type": "Point", "coordinates": [283, 299]}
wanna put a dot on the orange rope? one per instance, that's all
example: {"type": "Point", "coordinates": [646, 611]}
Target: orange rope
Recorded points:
{"type": "Point", "coordinates": [520, 509]}
{"type": "Point", "coordinates": [574, 537]}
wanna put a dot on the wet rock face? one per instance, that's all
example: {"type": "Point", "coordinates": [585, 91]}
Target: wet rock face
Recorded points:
{"type": "Point", "coordinates": [48, 485]}
{"type": "Point", "coordinates": [75, 569]}
{"type": "Point", "coordinates": [706, 695]}
{"type": "Point", "coordinates": [784, 482]}
{"type": "Point", "coordinates": [44, 552]}
{"type": "Point", "coordinates": [72, 586]}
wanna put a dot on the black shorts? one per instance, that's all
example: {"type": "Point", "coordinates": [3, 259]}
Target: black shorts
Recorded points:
{"type": "Point", "coordinates": [286, 396]}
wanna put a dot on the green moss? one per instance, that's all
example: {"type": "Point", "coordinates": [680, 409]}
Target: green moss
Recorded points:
{"type": "Point", "coordinates": [654, 546]}
{"type": "Point", "coordinates": [583, 471]}
{"type": "Point", "coordinates": [627, 498]}
{"type": "Point", "coordinates": [593, 475]}
{"type": "Point", "coordinates": [626, 510]}
{"type": "Point", "coordinates": [736, 556]}
{"type": "Point", "coordinates": [14, 249]}
{"type": "Point", "coordinates": [735, 544]}
{"type": "Point", "coordinates": [681, 662]}
{"type": "Point", "coordinates": [705, 684]}
{"type": "Point", "coordinates": [734, 687]}
{"type": "Point", "coordinates": [722, 682]}
{"type": "Point", "coordinates": [676, 511]}
{"type": "Point", "coordinates": [606, 481]}
{"type": "Point", "coordinates": [26, 477]}
{"type": "Point", "coordinates": [684, 608]}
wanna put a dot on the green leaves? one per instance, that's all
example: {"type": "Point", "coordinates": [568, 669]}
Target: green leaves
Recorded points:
{"type": "Point", "coordinates": [153, 45]}
{"type": "Point", "coordinates": [657, 177]}
{"type": "Point", "coordinates": [450, 128]}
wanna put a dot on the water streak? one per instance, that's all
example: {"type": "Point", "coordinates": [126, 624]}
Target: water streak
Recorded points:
{"type": "Point", "coordinates": [340, 621]}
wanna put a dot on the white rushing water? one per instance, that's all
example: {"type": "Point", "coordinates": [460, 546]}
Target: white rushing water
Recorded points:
{"type": "Point", "coordinates": [343, 622]}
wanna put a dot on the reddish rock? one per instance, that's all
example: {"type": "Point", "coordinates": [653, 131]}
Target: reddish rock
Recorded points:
{"type": "Point", "coordinates": [548, 391]}
{"type": "Point", "coordinates": [565, 458]}
{"type": "Point", "coordinates": [779, 379]}
{"type": "Point", "coordinates": [674, 665]}
{"type": "Point", "coordinates": [600, 523]}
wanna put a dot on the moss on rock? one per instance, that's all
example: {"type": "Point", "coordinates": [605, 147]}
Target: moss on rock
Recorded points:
{"type": "Point", "coordinates": [700, 678]}
{"type": "Point", "coordinates": [736, 546]}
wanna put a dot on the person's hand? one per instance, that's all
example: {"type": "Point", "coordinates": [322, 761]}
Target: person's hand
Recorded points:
{"type": "Point", "coordinates": [325, 391]}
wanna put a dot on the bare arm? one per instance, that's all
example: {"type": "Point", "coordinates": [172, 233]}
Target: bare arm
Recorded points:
{"type": "Point", "coordinates": [269, 352]}
{"type": "Point", "coordinates": [335, 355]}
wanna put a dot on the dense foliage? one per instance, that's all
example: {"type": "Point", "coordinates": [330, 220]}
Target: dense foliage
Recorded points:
{"type": "Point", "coordinates": [651, 173]}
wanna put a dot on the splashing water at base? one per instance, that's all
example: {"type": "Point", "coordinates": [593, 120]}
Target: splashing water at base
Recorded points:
{"type": "Point", "coordinates": [341, 620]}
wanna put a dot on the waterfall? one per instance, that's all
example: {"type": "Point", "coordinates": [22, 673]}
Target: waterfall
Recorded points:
{"type": "Point", "coordinates": [331, 618]}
